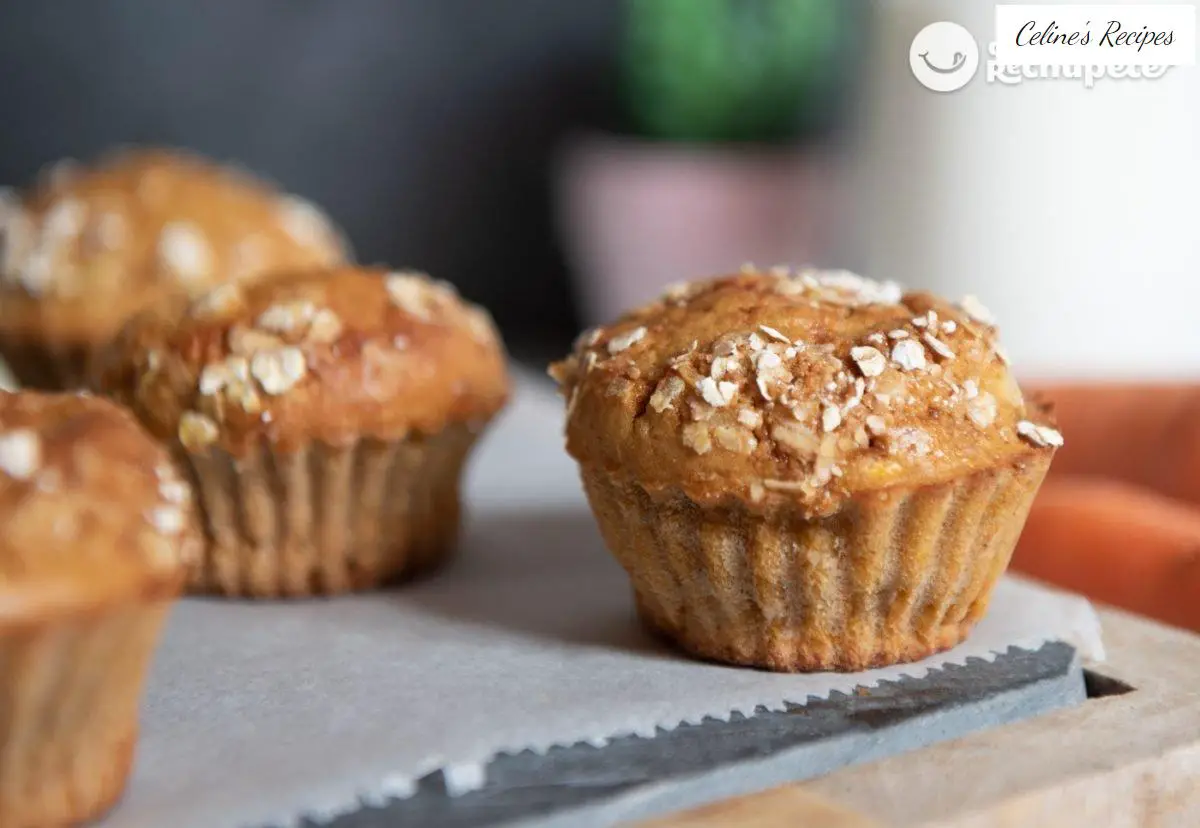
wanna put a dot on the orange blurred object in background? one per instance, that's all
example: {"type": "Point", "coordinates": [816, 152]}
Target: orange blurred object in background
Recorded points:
{"type": "Point", "coordinates": [1119, 518]}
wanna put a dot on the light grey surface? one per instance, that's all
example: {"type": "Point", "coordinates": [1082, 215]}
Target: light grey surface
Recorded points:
{"type": "Point", "coordinates": [632, 778]}
{"type": "Point", "coordinates": [267, 712]}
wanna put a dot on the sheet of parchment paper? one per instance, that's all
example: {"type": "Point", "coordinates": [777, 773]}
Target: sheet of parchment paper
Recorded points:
{"type": "Point", "coordinates": [260, 714]}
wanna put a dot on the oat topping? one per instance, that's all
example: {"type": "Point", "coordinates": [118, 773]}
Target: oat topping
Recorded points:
{"type": "Point", "coordinates": [1039, 435]}
{"type": "Point", "coordinates": [750, 418]}
{"type": "Point", "coordinates": [975, 309]}
{"type": "Point", "coordinates": [279, 370]}
{"type": "Point", "coordinates": [795, 438]}
{"type": "Point", "coordinates": [831, 418]}
{"type": "Point", "coordinates": [197, 431]}
{"type": "Point", "coordinates": [981, 409]}
{"type": "Point", "coordinates": [909, 355]}
{"type": "Point", "coordinates": [912, 440]}
{"type": "Point", "coordinates": [173, 491]}
{"type": "Point", "coordinates": [218, 303]}
{"type": "Point", "coordinates": [303, 221]}
{"type": "Point", "coordinates": [184, 252]}
{"type": "Point", "coordinates": [167, 520]}
{"type": "Point", "coordinates": [774, 334]}
{"type": "Point", "coordinates": [870, 360]}
{"type": "Point", "coordinates": [287, 317]}
{"type": "Point", "coordinates": [735, 439]}
{"type": "Point", "coordinates": [937, 346]}
{"type": "Point", "coordinates": [626, 340]}
{"type": "Point", "coordinates": [213, 378]}
{"type": "Point", "coordinates": [63, 222]}
{"type": "Point", "coordinates": [20, 453]}
{"type": "Point", "coordinates": [875, 424]}
{"type": "Point", "coordinates": [667, 392]}
{"type": "Point", "coordinates": [480, 324]}
{"type": "Point", "coordinates": [247, 342]}
{"type": "Point", "coordinates": [844, 287]}
{"type": "Point", "coordinates": [290, 320]}
{"type": "Point", "coordinates": [696, 437]}
{"type": "Point", "coordinates": [716, 394]}
{"type": "Point", "coordinates": [417, 294]}
{"type": "Point", "coordinates": [824, 404]}
{"type": "Point", "coordinates": [325, 327]}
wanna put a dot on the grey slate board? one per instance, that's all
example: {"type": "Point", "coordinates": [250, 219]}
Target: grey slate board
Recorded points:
{"type": "Point", "coordinates": [633, 778]}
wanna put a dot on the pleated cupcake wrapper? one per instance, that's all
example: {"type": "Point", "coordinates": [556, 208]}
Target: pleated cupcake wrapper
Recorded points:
{"type": "Point", "coordinates": [326, 519]}
{"type": "Point", "coordinates": [68, 712]}
{"type": "Point", "coordinates": [49, 367]}
{"type": "Point", "coordinates": [894, 577]}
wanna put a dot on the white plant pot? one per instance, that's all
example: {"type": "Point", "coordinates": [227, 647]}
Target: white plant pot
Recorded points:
{"type": "Point", "coordinates": [635, 216]}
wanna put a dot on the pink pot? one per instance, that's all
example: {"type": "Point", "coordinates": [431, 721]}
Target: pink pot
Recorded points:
{"type": "Point", "coordinates": [636, 216]}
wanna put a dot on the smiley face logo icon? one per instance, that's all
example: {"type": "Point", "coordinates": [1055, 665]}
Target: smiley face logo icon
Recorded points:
{"type": "Point", "coordinates": [943, 56]}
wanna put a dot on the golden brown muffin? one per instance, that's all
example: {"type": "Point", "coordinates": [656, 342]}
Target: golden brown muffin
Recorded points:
{"type": "Point", "coordinates": [95, 532]}
{"type": "Point", "coordinates": [325, 418]}
{"type": "Point", "coordinates": [805, 471]}
{"type": "Point", "coordinates": [87, 248]}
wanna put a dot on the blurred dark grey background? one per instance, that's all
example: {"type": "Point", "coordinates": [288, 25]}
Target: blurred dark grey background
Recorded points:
{"type": "Point", "coordinates": [423, 126]}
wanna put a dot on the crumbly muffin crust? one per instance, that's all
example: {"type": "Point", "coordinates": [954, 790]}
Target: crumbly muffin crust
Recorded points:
{"type": "Point", "coordinates": [88, 246]}
{"type": "Point", "coordinates": [330, 356]}
{"type": "Point", "coordinates": [796, 388]}
{"type": "Point", "coordinates": [91, 507]}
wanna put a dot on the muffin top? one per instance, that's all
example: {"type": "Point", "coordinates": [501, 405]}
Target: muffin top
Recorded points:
{"type": "Point", "coordinates": [318, 355]}
{"type": "Point", "coordinates": [87, 247]}
{"type": "Point", "coordinates": [91, 508]}
{"type": "Point", "coordinates": [799, 388]}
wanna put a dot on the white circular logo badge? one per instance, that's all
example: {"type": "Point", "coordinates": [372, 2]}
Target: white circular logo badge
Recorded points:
{"type": "Point", "coordinates": [943, 56]}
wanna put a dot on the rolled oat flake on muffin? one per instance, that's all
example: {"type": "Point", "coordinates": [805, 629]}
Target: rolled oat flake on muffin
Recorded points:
{"type": "Point", "coordinates": [325, 418]}
{"type": "Point", "coordinates": [805, 470]}
{"type": "Point", "coordinates": [96, 534]}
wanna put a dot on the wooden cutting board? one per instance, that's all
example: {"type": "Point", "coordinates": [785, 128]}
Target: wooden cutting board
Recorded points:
{"type": "Point", "coordinates": [1128, 756]}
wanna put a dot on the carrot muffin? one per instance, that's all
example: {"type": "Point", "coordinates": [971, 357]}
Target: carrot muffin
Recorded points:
{"type": "Point", "coordinates": [805, 471]}
{"type": "Point", "coordinates": [325, 418]}
{"type": "Point", "coordinates": [88, 247]}
{"type": "Point", "coordinates": [95, 532]}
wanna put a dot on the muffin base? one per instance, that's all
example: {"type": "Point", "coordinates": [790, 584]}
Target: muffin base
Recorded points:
{"type": "Point", "coordinates": [896, 576]}
{"type": "Point", "coordinates": [325, 520]}
{"type": "Point", "coordinates": [68, 712]}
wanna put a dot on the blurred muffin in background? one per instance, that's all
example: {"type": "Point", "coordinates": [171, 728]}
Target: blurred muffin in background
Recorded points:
{"type": "Point", "coordinates": [95, 532]}
{"type": "Point", "coordinates": [88, 247]}
{"type": "Point", "coordinates": [325, 418]}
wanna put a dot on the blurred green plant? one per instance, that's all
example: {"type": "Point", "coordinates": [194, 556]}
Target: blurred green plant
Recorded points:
{"type": "Point", "coordinates": [728, 71]}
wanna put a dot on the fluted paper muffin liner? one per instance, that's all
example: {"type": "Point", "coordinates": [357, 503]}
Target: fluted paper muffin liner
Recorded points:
{"type": "Point", "coordinates": [327, 519]}
{"type": "Point", "coordinates": [69, 712]}
{"type": "Point", "coordinates": [895, 576]}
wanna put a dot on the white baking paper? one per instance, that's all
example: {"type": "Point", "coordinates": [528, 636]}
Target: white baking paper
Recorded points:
{"type": "Point", "coordinates": [259, 714]}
